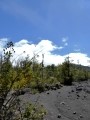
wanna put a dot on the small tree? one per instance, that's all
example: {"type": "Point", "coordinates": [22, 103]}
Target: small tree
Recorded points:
{"type": "Point", "coordinates": [7, 78]}
{"type": "Point", "coordinates": [66, 74]}
{"type": "Point", "coordinates": [10, 108]}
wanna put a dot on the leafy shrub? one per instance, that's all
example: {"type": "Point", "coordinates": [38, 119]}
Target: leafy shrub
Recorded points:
{"type": "Point", "coordinates": [12, 78]}
{"type": "Point", "coordinates": [34, 112]}
{"type": "Point", "coordinates": [66, 75]}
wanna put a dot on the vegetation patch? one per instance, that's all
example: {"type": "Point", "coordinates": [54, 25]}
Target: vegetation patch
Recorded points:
{"type": "Point", "coordinates": [29, 73]}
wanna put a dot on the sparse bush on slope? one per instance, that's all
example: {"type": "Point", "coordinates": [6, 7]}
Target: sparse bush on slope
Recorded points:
{"type": "Point", "coordinates": [12, 78]}
{"type": "Point", "coordinates": [66, 75]}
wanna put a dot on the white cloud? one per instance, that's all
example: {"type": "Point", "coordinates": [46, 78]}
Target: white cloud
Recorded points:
{"type": "Point", "coordinates": [21, 43]}
{"type": "Point", "coordinates": [45, 47]}
{"type": "Point", "coordinates": [80, 58]}
{"type": "Point", "coordinates": [61, 47]}
{"type": "Point", "coordinates": [3, 42]}
{"type": "Point", "coordinates": [64, 40]}
{"type": "Point", "coordinates": [66, 44]}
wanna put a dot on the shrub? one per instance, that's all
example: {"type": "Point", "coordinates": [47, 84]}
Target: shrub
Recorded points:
{"type": "Point", "coordinates": [66, 75]}
{"type": "Point", "coordinates": [34, 112]}
{"type": "Point", "coordinates": [10, 78]}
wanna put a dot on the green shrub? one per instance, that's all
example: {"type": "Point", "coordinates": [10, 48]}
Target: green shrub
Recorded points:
{"type": "Point", "coordinates": [66, 75]}
{"type": "Point", "coordinates": [34, 112]}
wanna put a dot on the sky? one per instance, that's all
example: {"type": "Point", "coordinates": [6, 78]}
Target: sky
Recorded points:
{"type": "Point", "coordinates": [55, 28]}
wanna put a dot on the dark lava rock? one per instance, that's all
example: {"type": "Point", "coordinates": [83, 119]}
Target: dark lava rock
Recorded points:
{"type": "Point", "coordinates": [53, 88]}
{"type": "Point", "coordinates": [57, 85]}
{"type": "Point", "coordinates": [72, 90]}
{"type": "Point", "coordinates": [79, 88]}
{"type": "Point", "coordinates": [59, 116]}
{"type": "Point", "coordinates": [81, 116]}
{"type": "Point", "coordinates": [47, 86]}
{"type": "Point", "coordinates": [19, 92]}
{"type": "Point", "coordinates": [48, 93]}
{"type": "Point", "coordinates": [74, 112]}
{"type": "Point", "coordinates": [78, 95]}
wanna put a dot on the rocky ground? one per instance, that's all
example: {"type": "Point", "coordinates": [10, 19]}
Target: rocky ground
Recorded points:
{"type": "Point", "coordinates": [65, 103]}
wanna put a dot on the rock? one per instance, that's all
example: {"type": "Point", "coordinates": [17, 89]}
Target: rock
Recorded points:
{"type": "Point", "coordinates": [47, 86]}
{"type": "Point", "coordinates": [81, 116]}
{"type": "Point", "coordinates": [76, 91]}
{"type": "Point", "coordinates": [78, 95]}
{"type": "Point", "coordinates": [74, 112]}
{"type": "Point", "coordinates": [53, 88]}
{"type": "Point", "coordinates": [19, 92]}
{"type": "Point", "coordinates": [26, 90]}
{"type": "Point", "coordinates": [48, 93]}
{"type": "Point", "coordinates": [84, 96]}
{"type": "Point", "coordinates": [57, 85]}
{"type": "Point", "coordinates": [79, 88]}
{"type": "Point", "coordinates": [62, 103]}
{"type": "Point", "coordinates": [69, 108]}
{"type": "Point", "coordinates": [87, 91]}
{"type": "Point", "coordinates": [59, 116]}
{"type": "Point", "coordinates": [72, 90]}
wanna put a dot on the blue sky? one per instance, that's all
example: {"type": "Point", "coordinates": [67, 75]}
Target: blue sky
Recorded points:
{"type": "Point", "coordinates": [66, 23]}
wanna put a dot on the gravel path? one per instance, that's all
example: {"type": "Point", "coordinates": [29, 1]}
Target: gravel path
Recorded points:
{"type": "Point", "coordinates": [66, 103]}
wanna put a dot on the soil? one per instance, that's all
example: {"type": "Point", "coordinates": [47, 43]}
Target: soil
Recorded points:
{"type": "Point", "coordinates": [67, 103]}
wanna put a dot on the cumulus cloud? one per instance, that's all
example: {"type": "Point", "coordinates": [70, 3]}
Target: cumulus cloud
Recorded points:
{"type": "Point", "coordinates": [43, 47]}
{"type": "Point", "coordinates": [24, 48]}
{"type": "Point", "coordinates": [80, 58]}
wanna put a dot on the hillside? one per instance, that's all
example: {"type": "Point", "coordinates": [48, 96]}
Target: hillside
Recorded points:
{"type": "Point", "coordinates": [66, 103]}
